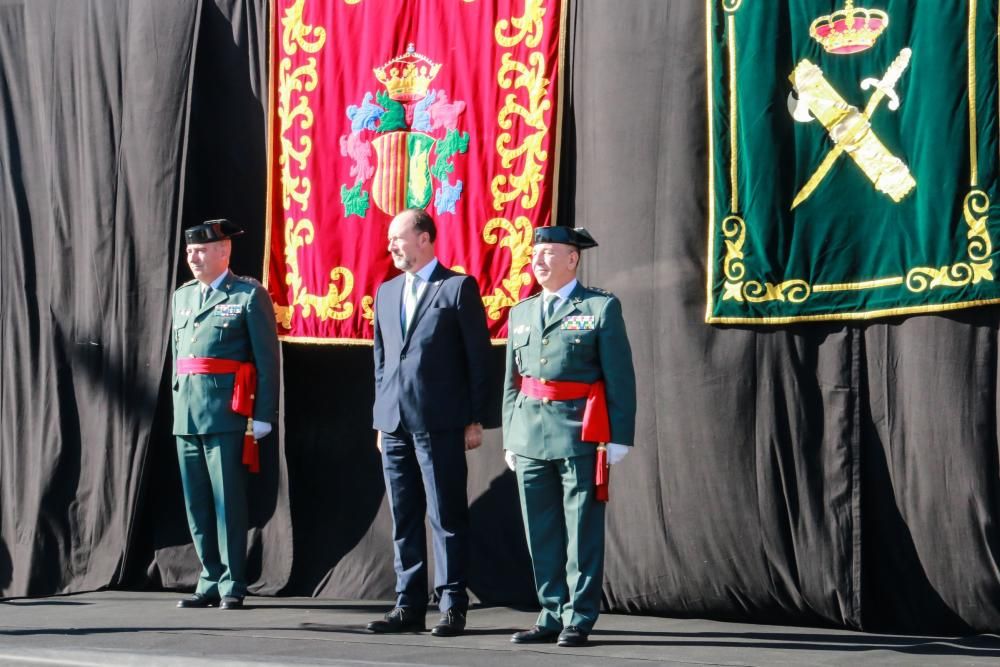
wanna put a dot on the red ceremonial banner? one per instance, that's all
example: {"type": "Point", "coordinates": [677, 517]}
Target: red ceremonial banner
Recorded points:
{"type": "Point", "coordinates": [382, 105]}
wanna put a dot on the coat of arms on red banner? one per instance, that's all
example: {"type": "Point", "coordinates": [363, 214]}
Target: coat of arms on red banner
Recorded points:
{"type": "Point", "coordinates": [414, 133]}
{"type": "Point", "coordinates": [383, 105]}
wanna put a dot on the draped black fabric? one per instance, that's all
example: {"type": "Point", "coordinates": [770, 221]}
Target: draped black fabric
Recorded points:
{"type": "Point", "coordinates": [94, 97]}
{"type": "Point", "coordinates": [843, 474]}
{"type": "Point", "coordinates": [97, 140]}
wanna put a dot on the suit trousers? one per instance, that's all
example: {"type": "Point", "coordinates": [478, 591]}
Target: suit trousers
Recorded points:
{"type": "Point", "coordinates": [564, 526]}
{"type": "Point", "coordinates": [215, 498]}
{"type": "Point", "coordinates": [425, 474]}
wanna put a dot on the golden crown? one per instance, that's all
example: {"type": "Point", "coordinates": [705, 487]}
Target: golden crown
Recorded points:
{"type": "Point", "coordinates": [407, 77]}
{"type": "Point", "coordinates": [849, 30]}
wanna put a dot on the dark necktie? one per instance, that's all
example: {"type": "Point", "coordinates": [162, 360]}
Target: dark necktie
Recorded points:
{"type": "Point", "coordinates": [410, 293]}
{"type": "Point", "coordinates": [550, 306]}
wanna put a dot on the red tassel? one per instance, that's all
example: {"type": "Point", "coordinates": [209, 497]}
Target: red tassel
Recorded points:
{"type": "Point", "coordinates": [602, 476]}
{"type": "Point", "coordinates": [251, 450]}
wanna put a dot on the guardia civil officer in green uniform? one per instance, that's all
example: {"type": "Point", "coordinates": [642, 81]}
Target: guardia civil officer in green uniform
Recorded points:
{"type": "Point", "coordinates": [566, 348]}
{"type": "Point", "coordinates": [225, 389]}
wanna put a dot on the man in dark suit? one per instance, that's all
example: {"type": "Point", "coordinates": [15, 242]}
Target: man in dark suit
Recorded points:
{"type": "Point", "coordinates": [224, 335]}
{"type": "Point", "coordinates": [431, 377]}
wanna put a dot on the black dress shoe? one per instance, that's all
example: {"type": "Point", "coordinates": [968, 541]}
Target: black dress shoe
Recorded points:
{"type": "Point", "coordinates": [452, 624]}
{"type": "Point", "coordinates": [537, 634]}
{"type": "Point", "coordinates": [572, 636]}
{"type": "Point", "coordinates": [400, 619]}
{"type": "Point", "coordinates": [197, 601]}
{"type": "Point", "coordinates": [231, 603]}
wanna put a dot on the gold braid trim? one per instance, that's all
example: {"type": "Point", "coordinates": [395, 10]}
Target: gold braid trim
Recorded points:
{"type": "Point", "coordinates": [518, 240]}
{"type": "Point", "coordinates": [975, 209]}
{"type": "Point", "coordinates": [297, 82]}
{"type": "Point", "coordinates": [523, 77]}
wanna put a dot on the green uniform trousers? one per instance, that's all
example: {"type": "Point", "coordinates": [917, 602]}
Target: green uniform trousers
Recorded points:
{"type": "Point", "coordinates": [564, 526]}
{"type": "Point", "coordinates": [215, 497]}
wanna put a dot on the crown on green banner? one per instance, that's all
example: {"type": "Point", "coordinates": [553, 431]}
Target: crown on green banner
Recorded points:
{"type": "Point", "coordinates": [849, 30]}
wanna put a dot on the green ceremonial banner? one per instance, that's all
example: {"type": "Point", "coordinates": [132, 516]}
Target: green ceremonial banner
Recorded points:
{"type": "Point", "coordinates": [853, 169]}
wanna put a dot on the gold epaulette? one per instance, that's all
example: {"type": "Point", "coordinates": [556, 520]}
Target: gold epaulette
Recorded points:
{"type": "Point", "coordinates": [525, 300]}
{"type": "Point", "coordinates": [602, 292]}
{"type": "Point", "coordinates": [529, 298]}
{"type": "Point", "coordinates": [249, 280]}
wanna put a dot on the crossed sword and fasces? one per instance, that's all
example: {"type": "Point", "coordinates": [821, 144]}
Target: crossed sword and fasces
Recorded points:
{"type": "Point", "coordinates": [850, 128]}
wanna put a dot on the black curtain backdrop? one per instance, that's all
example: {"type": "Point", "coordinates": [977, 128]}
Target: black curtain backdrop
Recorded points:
{"type": "Point", "coordinates": [94, 99]}
{"type": "Point", "coordinates": [829, 474]}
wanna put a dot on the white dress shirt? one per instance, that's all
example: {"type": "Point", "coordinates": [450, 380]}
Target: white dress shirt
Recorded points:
{"type": "Point", "coordinates": [423, 276]}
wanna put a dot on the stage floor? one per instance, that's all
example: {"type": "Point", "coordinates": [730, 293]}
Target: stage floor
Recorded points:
{"type": "Point", "coordinates": [118, 628]}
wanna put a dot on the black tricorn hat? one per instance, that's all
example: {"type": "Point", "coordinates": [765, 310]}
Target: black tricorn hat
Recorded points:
{"type": "Point", "coordinates": [211, 231]}
{"type": "Point", "coordinates": [575, 236]}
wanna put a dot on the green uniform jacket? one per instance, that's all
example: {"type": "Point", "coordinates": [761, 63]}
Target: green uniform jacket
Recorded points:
{"type": "Point", "coordinates": [236, 322]}
{"type": "Point", "coordinates": [585, 341]}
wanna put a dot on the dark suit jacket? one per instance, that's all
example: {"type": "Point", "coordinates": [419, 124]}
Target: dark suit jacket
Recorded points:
{"type": "Point", "coordinates": [436, 377]}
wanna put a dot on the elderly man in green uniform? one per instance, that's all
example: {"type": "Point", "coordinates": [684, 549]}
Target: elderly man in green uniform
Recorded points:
{"type": "Point", "coordinates": [225, 389]}
{"type": "Point", "coordinates": [568, 413]}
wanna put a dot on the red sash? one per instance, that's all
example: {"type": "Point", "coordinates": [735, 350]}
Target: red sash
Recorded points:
{"type": "Point", "coordinates": [596, 425]}
{"type": "Point", "coordinates": [244, 389]}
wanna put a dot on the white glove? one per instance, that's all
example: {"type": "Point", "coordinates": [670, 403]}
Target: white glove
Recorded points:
{"type": "Point", "coordinates": [260, 429]}
{"type": "Point", "coordinates": [616, 452]}
{"type": "Point", "coordinates": [510, 458]}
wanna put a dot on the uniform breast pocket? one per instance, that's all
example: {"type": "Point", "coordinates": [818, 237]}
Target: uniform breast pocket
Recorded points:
{"type": "Point", "coordinates": [519, 340]}
{"type": "Point", "coordinates": [179, 327]}
{"type": "Point", "coordinates": [581, 343]}
{"type": "Point", "coordinates": [227, 328]}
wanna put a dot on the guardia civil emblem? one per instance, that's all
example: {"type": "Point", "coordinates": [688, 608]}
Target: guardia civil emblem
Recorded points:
{"type": "Point", "coordinates": [848, 31]}
{"type": "Point", "coordinates": [403, 141]}
{"type": "Point", "coordinates": [853, 159]}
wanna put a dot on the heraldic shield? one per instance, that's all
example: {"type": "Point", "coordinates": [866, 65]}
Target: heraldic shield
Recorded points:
{"type": "Point", "coordinates": [853, 169]}
{"type": "Point", "coordinates": [402, 176]}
